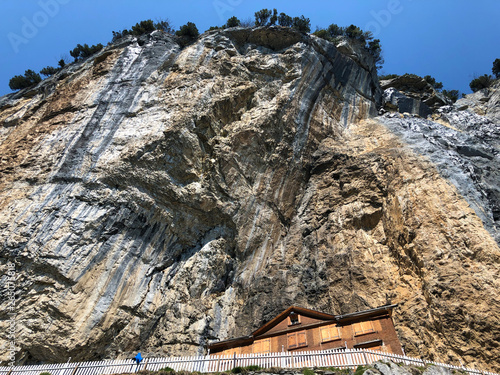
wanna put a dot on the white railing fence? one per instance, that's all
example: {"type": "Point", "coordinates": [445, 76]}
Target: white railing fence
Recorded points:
{"type": "Point", "coordinates": [350, 358]}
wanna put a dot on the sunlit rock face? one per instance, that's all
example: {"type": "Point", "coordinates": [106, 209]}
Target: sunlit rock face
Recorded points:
{"type": "Point", "coordinates": [412, 94]}
{"type": "Point", "coordinates": [155, 197]}
{"type": "Point", "coordinates": [485, 102]}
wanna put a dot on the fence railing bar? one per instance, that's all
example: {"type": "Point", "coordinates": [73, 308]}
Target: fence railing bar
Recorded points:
{"type": "Point", "coordinates": [346, 358]}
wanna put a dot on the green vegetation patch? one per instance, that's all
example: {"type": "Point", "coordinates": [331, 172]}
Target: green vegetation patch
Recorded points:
{"type": "Point", "coordinates": [481, 82]}
{"type": "Point", "coordinates": [81, 52]}
{"type": "Point", "coordinates": [340, 371]}
{"type": "Point", "coordinates": [30, 78]}
{"type": "Point", "coordinates": [244, 370]}
{"type": "Point", "coordinates": [166, 369]}
{"type": "Point", "coordinates": [496, 68]}
{"type": "Point", "coordinates": [360, 370]}
{"type": "Point", "coordinates": [364, 38]}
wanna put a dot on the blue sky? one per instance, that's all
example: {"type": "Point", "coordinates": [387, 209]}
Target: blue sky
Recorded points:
{"type": "Point", "coordinates": [452, 40]}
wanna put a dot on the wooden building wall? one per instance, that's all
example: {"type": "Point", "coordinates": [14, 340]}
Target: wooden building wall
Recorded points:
{"type": "Point", "coordinates": [312, 334]}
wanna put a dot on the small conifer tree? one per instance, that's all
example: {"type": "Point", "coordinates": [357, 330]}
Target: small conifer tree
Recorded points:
{"type": "Point", "coordinates": [164, 25]}
{"type": "Point", "coordinates": [302, 24]}
{"type": "Point", "coordinates": [189, 30]}
{"type": "Point", "coordinates": [481, 82]}
{"type": "Point", "coordinates": [233, 22]}
{"type": "Point", "coordinates": [29, 79]}
{"type": "Point", "coordinates": [432, 81]}
{"type": "Point", "coordinates": [143, 27]}
{"type": "Point", "coordinates": [274, 18]}
{"type": "Point", "coordinates": [285, 20]}
{"type": "Point", "coordinates": [49, 71]}
{"type": "Point", "coordinates": [452, 94]}
{"type": "Point", "coordinates": [496, 68]}
{"type": "Point", "coordinates": [262, 17]}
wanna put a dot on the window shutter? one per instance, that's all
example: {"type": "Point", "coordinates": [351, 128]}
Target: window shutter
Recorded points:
{"type": "Point", "coordinates": [325, 334]}
{"type": "Point", "coordinates": [367, 326]}
{"type": "Point", "coordinates": [301, 339]}
{"type": "Point", "coordinates": [334, 332]}
{"type": "Point", "coordinates": [363, 327]}
{"type": "Point", "coordinates": [330, 332]}
{"type": "Point", "coordinates": [266, 346]}
{"type": "Point", "coordinates": [292, 340]}
{"type": "Point", "coordinates": [257, 347]}
{"type": "Point", "coordinates": [296, 340]}
{"type": "Point", "coordinates": [262, 346]}
{"type": "Point", "coordinates": [231, 351]}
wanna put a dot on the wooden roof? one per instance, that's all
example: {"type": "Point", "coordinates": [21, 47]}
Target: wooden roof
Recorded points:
{"type": "Point", "coordinates": [299, 310]}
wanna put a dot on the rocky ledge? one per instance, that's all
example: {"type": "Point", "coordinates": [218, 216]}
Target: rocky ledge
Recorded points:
{"type": "Point", "coordinates": [412, 94]}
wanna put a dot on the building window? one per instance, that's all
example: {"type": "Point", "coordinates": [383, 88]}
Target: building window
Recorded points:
{"type": "Point", "coordinates": [371, 345]}
{"type": "Point", "coordinates": [330, 333]}
{"type": "Point", "coordinates": [362, 328]}
{"type": "Point", "coordinates": [297, 340]}
{"type": "Point", "coordinates": [262, 346]}
{"type": "Point", "coordinates": [293, 319]}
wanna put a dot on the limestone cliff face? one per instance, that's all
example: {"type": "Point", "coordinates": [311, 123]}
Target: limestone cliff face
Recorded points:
{"type": "Point", "coordinates": [154, 198]}
{"type": "Point", "coordinates": [485, 102]}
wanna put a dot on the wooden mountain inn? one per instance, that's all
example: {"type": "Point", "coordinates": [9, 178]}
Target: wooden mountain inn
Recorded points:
{"type": "Point", "coordinates": [300, 329]}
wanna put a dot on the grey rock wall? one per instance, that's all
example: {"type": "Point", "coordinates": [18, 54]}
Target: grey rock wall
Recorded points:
{"type": "Point", "coordinates": [464, 148]}
{"type": "Point", "coordinates": [393, 99]}
{"type": "Point", "coordinates": [485, 102]}
{"type": "Point", "coordinates": [152, 181]}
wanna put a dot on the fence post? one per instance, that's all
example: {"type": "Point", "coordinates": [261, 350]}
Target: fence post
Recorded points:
{"type": "Point", "coordinates": [234, 360]}
{"type": "Point", "coordinates": [10, 371]}
{"type": "Point", "coordinates": [365, 357]}
{"type": "Point", "coordinates": [218, 364]}
{"type": "Point", "coordinates": [145, 365]}
{"type": "Point", "coordinates": [74, 370]}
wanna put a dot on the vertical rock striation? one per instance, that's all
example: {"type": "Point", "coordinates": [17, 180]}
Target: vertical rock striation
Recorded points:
{"type": "Point", "coordinates": [154, 198]}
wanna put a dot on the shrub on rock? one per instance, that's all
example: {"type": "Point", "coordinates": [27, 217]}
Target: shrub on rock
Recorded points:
{"type": "Point", "coordinates": [274, 18]}
{"type": "Point", "coordinates": [49, 71]}
{"type": "Point", "coordinates": [285, 20]}
{"type": "Point", "coordinates": [302, 24]}
{"type": "Point", "coordinates": [496, 68]}
{"type": "Point", "coordinates": [82, 52]}
{"type": "Point", "coordinates": [453, 95]}
{"type": "Point", "coordinates": [30, 78]}
{"type": "Point", "coordinates": [188, 30]}
{"type": "Point", "coordinates": [233, 22]}
{"type": "Point", "coordinates": [432, 81]}
{"type": "Point", "coordinates": [481, 82]}
{"type": "Point", "coordinates": [262, 17]}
